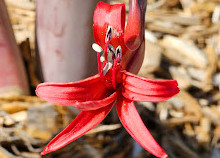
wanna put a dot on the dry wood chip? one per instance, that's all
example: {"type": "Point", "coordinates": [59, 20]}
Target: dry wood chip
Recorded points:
{"type": "Point", "coordinates": [201, 135]}
{"type": "Point", "coordinates": [14, 107]}
{"type": "Point", "coordinates": [212, 63]}
{"type": "Point", "coordinates": [20, 116]}
{"type": "Point", "coordinates": [175, 57]}
{"type": "Point", "coordinates": [6, 154]}
{"type": "Point", "coordinates": [152, 58]}
{"type": "Point", "coordinates": [11, 91]}
{"type": "Point", "coordinates": [180, 74]}
{"type": "Point", "coordinates": [149, 105]}
{"type": "Point", "coordinates": [216, 79]}
{"type": "Point", "coordinates": [172, 122]}
{"type": "Point", "coordinates": [152, 16]}
{"type": "Point", "coordinates": [45, 124]}
{"type": "Point", "coordinates": [179, 146]}
{"type": "Point", "coordinates": [30, 155]}
{"type": "Point", "coordinates": [191, 105]}
{"type": "Point", "coordinates": [187, 4]}
{"type": "Point", "coordinates": [165, 27]}
{"type": "Point", "coordinates": [205, 32]}
{"type": "Point", "coordinates": [188, 129]}
{"type": "Point", "coordinates": [186, 49]}
{"type": "Point", "coordinates": [216, 15]}
{"type": "Point", "coordinates": [203, 6]}
{"type": "Point", "coordinates": [203, 130]}
{"type": "Point", "coordinates": [163, 110]}
{"type": "Point", "coordinates": [216, 137]}
{"type": "Point", "coordinates": [210, 114]}
{"type": "Point", "coordinates": [205, 124]}
{"type": "Point", "coordinates": [21, 4]}
{"type": "Point", "coordinates": [177, 103]}
{"type": "Point", "coordinates": [195, 73]}
{"type": "Point", "coordinates": [150, 36]}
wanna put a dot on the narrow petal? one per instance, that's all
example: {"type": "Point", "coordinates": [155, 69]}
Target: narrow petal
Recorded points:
{"type": "Point", "coordinates": [87, 94]}
{"type": "Point", "coordinates": [84, 122]}
{"type": "Point", "coordinates": [132, 122]}
{"type": "Point", "coordinates": [147, 90]}
{"type": "Point", "coordinates": [134, 32]}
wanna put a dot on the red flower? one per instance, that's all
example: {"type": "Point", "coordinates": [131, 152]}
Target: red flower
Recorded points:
{"type": "Point", "coordinates": [95, 96]}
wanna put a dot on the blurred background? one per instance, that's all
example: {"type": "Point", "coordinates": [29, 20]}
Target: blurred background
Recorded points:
{"type": "Point", "coordinates": [51, 41]}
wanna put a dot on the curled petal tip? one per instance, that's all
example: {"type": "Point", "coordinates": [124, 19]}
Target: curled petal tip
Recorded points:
{"type": "Point", "coordinates": [84, 122]}
{"type": "Point", "coordinates": [148, 90]}
{"type": "Point", "coordinates": [45, 151]}
{"type": "Point", "coordinates": [132, 122]}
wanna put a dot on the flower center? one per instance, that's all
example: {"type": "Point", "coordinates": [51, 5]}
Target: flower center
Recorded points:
{"type": "Point", "coordinates": [108, 58]}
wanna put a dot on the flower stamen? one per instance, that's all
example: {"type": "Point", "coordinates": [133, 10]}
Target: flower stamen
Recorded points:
{"type": "Point", "coordinates": [109, 57]}
{"type": "Point", "coordinates": [99, 64]}
{"type": "Point", "coordinates": [107, 41]}
{"type": "Point", "coordinates": [99, 51]}
{"type": "Point", "coordinates": [118, 55]}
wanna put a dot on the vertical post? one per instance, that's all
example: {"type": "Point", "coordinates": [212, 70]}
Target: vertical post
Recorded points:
{"type": "Point", "coordinates": [13, 78]}
{"type": "Point", "coordinates": [64, 38]}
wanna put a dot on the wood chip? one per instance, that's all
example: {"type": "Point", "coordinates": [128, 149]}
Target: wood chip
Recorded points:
{"type": "Point", "coordinates": [191, 105]}
{"type": "Point", "coordinates": [186, 49]}
{"type": "Point", "coordinates": [174, 18]}
{"type": "Point", "coordinates": [151, 59]}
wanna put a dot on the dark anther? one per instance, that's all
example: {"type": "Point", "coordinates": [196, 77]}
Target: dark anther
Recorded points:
{"type": "Point", "coordinates": [108, 34]}
{"type": "Point", "coordinates": [118, 53]}
{"type": "Point", "coordinates": [111, 49]}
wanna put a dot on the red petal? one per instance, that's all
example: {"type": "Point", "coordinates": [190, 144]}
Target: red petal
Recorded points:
{"type": "Point", "coordinates": [113, 15]}
{"type": "Point", "coordinates": [147, 90]}
{"type": "Point", "coordinates": [132, 122]}
{"type": "Point", "coordinates": [134, 36]}
{"type": "Point", "coordinates": [93, 105]}
{"type": "Point", "coordinates": [84, 122]}
{"type": "Point", "coordinates": [87, 94]}
{"type": "Point", "coordinates": [134, 32]}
